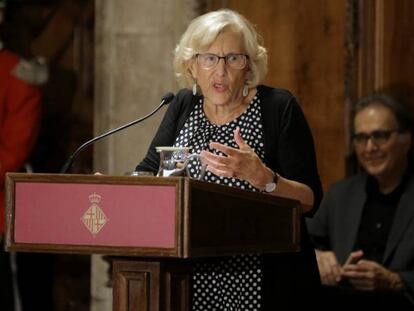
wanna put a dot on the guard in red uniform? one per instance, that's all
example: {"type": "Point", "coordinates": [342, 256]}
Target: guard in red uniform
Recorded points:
{"type": "Point", "coordinates": [20, 107]}
{"type": "Point", "coordinates": [19, 119]}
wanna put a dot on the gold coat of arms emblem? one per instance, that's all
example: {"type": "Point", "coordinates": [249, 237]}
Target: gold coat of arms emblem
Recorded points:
{"type": "Point", "coordinates": [94, 218]}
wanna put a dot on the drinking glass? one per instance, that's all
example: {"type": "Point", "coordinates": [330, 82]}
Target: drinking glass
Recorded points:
{"type": "Point", "coordinates": [178, 161]}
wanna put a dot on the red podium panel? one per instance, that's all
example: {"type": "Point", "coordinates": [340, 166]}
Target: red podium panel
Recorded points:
{"type": "Point", "coordinates": [93, 214]}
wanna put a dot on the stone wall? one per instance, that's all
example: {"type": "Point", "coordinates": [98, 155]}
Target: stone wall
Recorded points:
{"type": "Point", "coordinates": [134, 46]}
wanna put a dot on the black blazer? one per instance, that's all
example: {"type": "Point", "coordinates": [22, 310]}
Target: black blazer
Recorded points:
{"type": "Point", "coordinates": [291, 278]}
{"type": "Point", "coordinates": [339, 216]}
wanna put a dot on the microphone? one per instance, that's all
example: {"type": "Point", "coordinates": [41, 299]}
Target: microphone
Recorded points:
{"type": "Point", "coordinates": [166, 99]}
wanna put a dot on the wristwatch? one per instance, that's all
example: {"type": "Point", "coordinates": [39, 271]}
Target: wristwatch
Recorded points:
{"type": "Point", "coordinates": [270, 187]}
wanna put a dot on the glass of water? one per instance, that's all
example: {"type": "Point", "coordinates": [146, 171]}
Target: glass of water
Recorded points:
{"type": "Point", "coordinates": [178, 161]}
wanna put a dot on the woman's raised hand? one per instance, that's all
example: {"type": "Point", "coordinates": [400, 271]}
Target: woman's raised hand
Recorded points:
{"type": "Point", "coordinates": [242, 163]}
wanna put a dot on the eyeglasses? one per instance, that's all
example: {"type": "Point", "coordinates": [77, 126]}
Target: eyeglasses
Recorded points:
{"type": "Point", "coordinates": [235, 61]}
{"type": "Point", "coordinates": [378, 137]}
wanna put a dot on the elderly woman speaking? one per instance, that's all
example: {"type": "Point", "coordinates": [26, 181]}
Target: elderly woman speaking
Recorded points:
{"type": "Point", "coordinates": [252, 137]}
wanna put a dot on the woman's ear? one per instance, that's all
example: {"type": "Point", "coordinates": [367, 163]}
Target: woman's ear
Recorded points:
{"type": "Point", "coordinates": [248, 75]}
{"type": "Point", "coordinates": [192, 69]}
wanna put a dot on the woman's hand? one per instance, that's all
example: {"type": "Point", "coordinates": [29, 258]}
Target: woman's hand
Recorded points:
{"type": "Point", "coordinates": [329, 268]}
{"type": "Point", "coordinates": [242, 163]}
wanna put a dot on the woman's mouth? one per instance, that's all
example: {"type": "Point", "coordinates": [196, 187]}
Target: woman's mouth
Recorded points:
{"type": "Point", "coordinates": [220, 87]}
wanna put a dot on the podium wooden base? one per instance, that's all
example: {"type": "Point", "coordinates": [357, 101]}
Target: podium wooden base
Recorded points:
{"type": "Point", "coordinates": [151, 285]}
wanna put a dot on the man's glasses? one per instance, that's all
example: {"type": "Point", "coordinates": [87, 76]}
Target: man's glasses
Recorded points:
{"type": "Point", "coordinates": [378, 137]}
{"type": "Point", "coordinates": [235, 61]}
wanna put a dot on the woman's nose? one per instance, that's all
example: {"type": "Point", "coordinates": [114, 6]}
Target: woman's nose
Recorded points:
{"type": "Point", "coordinates": [221, 66]}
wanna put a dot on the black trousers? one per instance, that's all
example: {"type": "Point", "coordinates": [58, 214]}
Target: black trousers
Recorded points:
{"type": "Point", "coordinates": [34, 281]}
{"type": "Point", "coordinates": [6, 280]}
{"type": "Point", "coordinates": [343, 298]}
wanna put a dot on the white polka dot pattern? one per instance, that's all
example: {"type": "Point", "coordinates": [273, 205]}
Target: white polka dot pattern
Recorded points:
{"type": "Point", "coordinates": [198, 132]}
{"type": "Point", "coordinates": [230, 283]}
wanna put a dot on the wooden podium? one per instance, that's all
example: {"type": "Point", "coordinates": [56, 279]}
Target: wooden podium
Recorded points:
{"type": "Point", "coordinates": [154, 228]}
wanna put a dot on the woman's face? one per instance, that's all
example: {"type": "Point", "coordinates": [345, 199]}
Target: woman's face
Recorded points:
{"type": "Point", "coordinates": [221, 85]}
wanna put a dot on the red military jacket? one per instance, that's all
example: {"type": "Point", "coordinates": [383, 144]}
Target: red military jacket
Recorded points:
{"type": "Point", "coordinates": [20, 108]}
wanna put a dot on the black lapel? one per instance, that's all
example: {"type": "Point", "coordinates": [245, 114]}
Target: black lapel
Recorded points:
{"type": "Point", "coordinates": [402, 218]}
{"type": "Point", "coordinates": [355, 205]}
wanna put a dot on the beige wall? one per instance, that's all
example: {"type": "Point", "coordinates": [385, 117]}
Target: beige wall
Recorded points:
{"type": "Point", "coordinates": [133, 70]}
{"type": "Point", "coordinates": [134, 44]}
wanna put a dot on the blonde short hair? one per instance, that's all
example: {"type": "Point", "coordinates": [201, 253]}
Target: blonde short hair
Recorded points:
{"type": "Point", "coordinates": [203, 31]}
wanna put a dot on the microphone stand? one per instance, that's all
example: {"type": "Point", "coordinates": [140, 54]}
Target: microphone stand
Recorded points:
{"type": "Point", "coordinates": [165, 100]}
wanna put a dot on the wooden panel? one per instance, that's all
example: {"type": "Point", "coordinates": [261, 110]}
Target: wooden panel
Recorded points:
{"type": "Point", "coordinates": [368, 61]}
{"type": "Point", "coordinates": [180, 284]}
{"type": "Point", "coordinates": [136, 286]}
{"type": "Point", "coordinates": [306, 45]}
{"type": "Point", "coordinates": [384, 51]}
{"type": "Point", "coordinates": [398, 45]}
{"type": "Point", "coordinates": [145, 285]}
{"type": "Point", "coordinates": [386, 46]}
{"type": "Point", "coordinates": [178, 276]}
{"type": "Point", "coordinates": [222, 222]}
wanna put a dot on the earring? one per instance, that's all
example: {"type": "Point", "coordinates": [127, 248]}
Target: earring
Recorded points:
{"type": "Point", "coordinates": [245, 91]}
{"type": "Point", "coordinates": [195, 88]}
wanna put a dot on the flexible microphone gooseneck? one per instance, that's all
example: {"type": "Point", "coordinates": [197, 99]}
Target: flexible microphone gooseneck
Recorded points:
{"type": "Point", "coordinates": [166, 99]}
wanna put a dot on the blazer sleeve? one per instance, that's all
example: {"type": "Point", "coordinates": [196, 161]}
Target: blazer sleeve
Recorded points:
{"type": "Point", "coordinates": [318, 225]}
{"type": "Point", "coordinates": [296, 152]}
{"type": "Point", "coordinates": [289, 146]}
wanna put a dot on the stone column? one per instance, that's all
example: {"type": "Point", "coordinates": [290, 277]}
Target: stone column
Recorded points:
{"type": "Point", "coordinates": [134, 45]}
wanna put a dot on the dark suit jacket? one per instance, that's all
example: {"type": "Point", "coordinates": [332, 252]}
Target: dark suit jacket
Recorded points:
{"type": "Point", "coordinates": [339, 216]}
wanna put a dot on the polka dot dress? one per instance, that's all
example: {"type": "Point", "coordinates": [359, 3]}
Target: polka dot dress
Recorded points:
{"type": "Point", "coordinates": [229, 283]}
